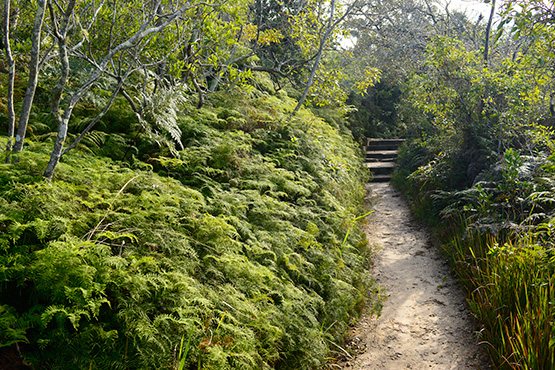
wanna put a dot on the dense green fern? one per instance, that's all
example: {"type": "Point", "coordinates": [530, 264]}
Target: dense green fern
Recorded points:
{"type": "Point", "coordinates": [235, 243]}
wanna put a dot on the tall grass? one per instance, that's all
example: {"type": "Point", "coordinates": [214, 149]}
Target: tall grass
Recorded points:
{"type": "Point", "coordinates": [511, 293]}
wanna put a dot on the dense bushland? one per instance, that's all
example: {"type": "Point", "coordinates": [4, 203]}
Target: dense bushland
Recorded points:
{"type": "Point", "coordinates": [193, 215]}
{"type": "Point", "coordinates": [230, 255]}
{"type": "Point", "coordinates": [481, 170]}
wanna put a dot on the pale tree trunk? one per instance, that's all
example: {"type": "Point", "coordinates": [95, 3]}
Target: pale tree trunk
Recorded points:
{"type": "Point", "coordinates": [329, 29]}
{"type": "Point", "coordinates": [11, 76]}
{"type": "Point", "coordinates": [316, 61]}
{"type": "Point", "coordinates": [63, 121]}
{"type": "Point", "coordinates": [33, 75]}
{"type": "Point", "coordinates": [488, 32]}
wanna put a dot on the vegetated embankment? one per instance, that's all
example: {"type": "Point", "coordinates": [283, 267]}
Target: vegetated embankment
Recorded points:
{"type": "Point", "coordinates": [231, 255]}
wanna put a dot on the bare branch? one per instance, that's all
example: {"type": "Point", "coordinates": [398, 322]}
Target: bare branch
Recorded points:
{"type": "Point", "coordinates": [96, 119]}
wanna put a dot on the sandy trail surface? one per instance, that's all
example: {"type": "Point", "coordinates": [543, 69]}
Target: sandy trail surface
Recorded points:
{"type": "Point", "coordinates": [425, 322]}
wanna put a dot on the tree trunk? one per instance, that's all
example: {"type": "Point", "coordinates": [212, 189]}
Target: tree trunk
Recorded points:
{"type": "Point", "coordinates": [33, 75]}
{"type": "Point", "coordinates": [57, 150]}
{"type": "Point", "coordinates": [60, 32]}
{"type": "Point", "coordinates": [314, 68]}
{"type": "Point", "coordinates": [488, 32]}
{"type": "Point", "coordinates": [11, 76]}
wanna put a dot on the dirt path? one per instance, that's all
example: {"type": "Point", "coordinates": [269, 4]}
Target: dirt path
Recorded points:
{"type": "Point", "coordinates": [425, 322]}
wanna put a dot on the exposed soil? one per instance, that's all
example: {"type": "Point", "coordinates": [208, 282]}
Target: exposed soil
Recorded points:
{"type": "Point", "coordinates": [10, 359]}
{"type": "Point", "coordinates": [425, 322]}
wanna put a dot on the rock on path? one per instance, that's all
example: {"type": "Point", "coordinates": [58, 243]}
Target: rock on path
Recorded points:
{"type": "Point", "coordinates": [425, 322]}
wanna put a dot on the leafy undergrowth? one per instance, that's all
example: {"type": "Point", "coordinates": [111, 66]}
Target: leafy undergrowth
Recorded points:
{"type": "Point", "coordinates": [229, 256]}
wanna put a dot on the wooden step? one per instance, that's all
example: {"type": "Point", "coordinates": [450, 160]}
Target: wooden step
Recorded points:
{"type": "Point", "coordinates": [381, 155]}
{"type": "Point", "coordinates": [383, 144]}
{"type": "Point", "coordinates": [381, 168]}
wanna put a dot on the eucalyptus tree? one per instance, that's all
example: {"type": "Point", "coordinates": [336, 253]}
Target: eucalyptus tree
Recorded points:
{"type": "Point", "coordinates": [34, 66]}
{"type": "Point", "coordinates": [139, 49]}
{"type": "Point", "coordinates": [118, 58]}
{"type": "Point", "coordinates": [330, 30]}
{"type": "Point", "coordinates": [296, 42]}
{"type": "Point", "coordinates": [280, 57]}
{"type": "Point", "coordinates": [6, 42]}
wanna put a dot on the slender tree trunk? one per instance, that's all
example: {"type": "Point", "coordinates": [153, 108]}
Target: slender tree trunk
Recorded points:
{"type": "Point", "coordinates": [97, 118]}
{"type": "Point", "coordinates": [488, 32]}
{"type": "Point", "coordinates": [57, 149]}
{"type": "Point", "coordinates": [200, 93]}
{"type": "Point", "coordinates": [11, 76]}
{"type": "Point", "coordinates": [329, 29]}
{"type": "Point", "coordinates": [314, 68]}
{"type": "Point", "coordinates": [60, 32]}
{"type": "Point", "coordinates": [33, 75]}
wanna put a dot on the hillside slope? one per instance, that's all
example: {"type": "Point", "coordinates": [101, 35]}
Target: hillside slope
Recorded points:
{"type": "Point", "coordinates": [232, 254]}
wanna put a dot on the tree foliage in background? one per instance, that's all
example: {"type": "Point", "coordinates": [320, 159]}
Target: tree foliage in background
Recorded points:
{"type": "Point", "coordinates": [394, 36]}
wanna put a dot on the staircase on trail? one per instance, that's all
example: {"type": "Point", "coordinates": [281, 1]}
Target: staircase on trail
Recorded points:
{"type": "Point", "coordinates": [381, 155]}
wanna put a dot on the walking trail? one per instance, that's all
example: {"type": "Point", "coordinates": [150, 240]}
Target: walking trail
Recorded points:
{"type": "Point", "coordinates": [425, 322]}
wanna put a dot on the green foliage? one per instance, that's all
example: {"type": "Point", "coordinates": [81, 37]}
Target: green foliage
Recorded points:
{"type": "Point", "coordinates": [510, 289]}
{"type": "Point", "coordinates": [472, 113]}
{"type": "Point", "coordinates": [10, 327]}
{"type": "Point", "coordinates": [238, 253]}
{"type": "Point", "coordinates": [376, 112]}
{"type": "Point", "coordinates": [481, 171]}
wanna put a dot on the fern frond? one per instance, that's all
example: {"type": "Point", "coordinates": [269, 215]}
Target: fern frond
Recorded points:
{"type": "Point", "coordinates": [160, 115]}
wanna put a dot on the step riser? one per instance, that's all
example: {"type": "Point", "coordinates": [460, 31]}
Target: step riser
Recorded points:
{"type": "Point", "coordinates": [381, 178]}
{"type": "Point", "coordinates": [380, 157]}
{"type": "Point", "coordinates": [382, 171]}
{"type": "Point", "coordinates": [377, 147]}
{"type": "Point", "coordinates": [384, 145]}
